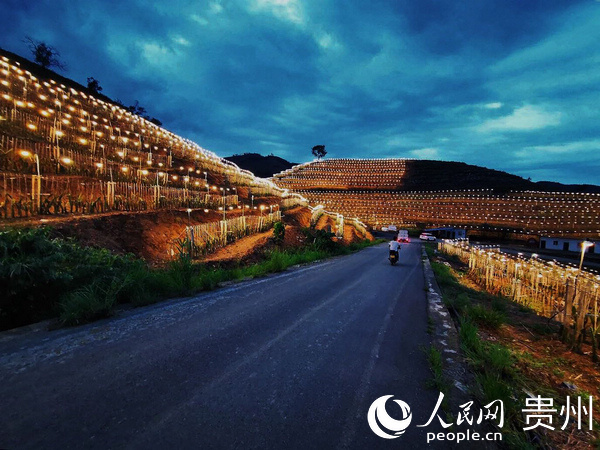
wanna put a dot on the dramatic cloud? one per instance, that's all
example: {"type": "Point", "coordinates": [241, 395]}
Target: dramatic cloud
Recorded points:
{"type": "Point", "coordinates": [426, 153]}
{"type": "Point", "coordinates": [504, 84]}
{"type": "Point", "coordinates": [525, 118]}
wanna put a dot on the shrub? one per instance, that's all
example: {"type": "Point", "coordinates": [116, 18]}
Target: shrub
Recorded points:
{"type": "Point", "coordinates": [322, 240]}
{"type": "Point", "coordinates": [36, 270]}
{"type": "Point", "coordinates": [181, 273]}
{"type": "Point", "coordinates": [486, 317]}
{"type": "Point", "coordinates": [91, 302]}
{"type": "Point", "coordinates": [279, 232]}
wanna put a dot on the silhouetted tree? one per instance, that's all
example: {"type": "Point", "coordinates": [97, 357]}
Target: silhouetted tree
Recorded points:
{"type": "Point", "coordinates": [136, 108]}
{"type": "Point", "coordinates": [319, 151]}
{"type": "Point", "coordinates": [44, 54]}
{"type": "Point", "coordinates": [94, 85]}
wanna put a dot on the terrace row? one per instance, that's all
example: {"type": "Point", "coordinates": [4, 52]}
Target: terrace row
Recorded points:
{"type": "Point", "coordinates": [62, 149]}
{"type": "Point", "coordinates": [85, 135]}
{"type": "Point", "coordinates": [547, 213]}
{"type": "Point", "coordinates": [343, 174]}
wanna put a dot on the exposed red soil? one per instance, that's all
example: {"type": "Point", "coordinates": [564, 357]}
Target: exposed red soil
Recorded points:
{"type": "Point", "coordinates": [240, 249]}
{"type": "Point", "coordinates": [152, 235]}
{"type": "Point", "coordinates": [248, 249]}
{"type": "Point", "coordinates": [149, 235]}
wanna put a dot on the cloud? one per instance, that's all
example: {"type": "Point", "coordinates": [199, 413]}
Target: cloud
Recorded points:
{"type": "Point", "coordinates": [506, 85]}
{"type": "Point", "coordinates": [525, 118]}
{"type": "Point", "coordinates": [425, 153]}
{"type": "Point", "coordinates": [215, 8]}
{"type": "Point", "coordinates": [327, 41]}
{"type": "Point", "coordinates": [199, 19]}
{"type": "Point", "coordinates": [181, 41]}
{"type": "Point", "coordinates": [289, 10]}
{"type": "Point", "coordinates": [494, 105]}
{"type": "Point", "coordinates": [573, 150]}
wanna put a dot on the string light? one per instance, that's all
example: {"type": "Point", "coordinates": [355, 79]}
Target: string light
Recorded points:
{"type": "Point", "coordinates": [367, 189]}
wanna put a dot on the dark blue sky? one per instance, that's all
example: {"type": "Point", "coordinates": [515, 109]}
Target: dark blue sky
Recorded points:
{"type": "Point", "coordinates": [508, 84]}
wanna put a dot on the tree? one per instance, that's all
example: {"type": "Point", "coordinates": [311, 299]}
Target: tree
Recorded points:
{"type": "Point", "coordinates": [137, 109]}
{"type": "Point", "coordinates": [319, 151]}
{"type": "Point", "coordinates": [94, 85]}
{"type": "Point", "coordinates": [44, 54]}
{"type": "Point", "coordinates": [279, 232]}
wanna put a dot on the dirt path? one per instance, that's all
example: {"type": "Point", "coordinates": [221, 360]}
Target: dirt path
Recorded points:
{"type": "Point", "coordinates": [240, 248]}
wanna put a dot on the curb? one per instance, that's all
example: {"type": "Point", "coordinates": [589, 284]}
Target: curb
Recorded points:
{"type": "Point", "coordinates": [444, 338]}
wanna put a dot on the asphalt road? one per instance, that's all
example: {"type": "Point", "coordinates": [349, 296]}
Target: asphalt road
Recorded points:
{"type": "Point", "coordinates": [289, 361]}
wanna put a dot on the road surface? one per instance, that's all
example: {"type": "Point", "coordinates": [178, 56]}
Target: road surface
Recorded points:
{"type": "Point", "coordinates": [289, 361]}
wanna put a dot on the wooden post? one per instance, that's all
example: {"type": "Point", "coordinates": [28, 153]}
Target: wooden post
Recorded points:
{"type": "Point", "coordinates": [36, 191]}
{"type": "Point", "coordinates": [156, 196]}
{"type": "Point", "coordinates": [192, 242]}
{"type": "Point", "coordinates": [224, 232]}
{"type": "Point", "coordinates": [110, 193]}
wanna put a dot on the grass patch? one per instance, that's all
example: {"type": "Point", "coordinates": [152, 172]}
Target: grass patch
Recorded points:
{"type": "Point", "coordinates": [487, 317]}
{"type": "Point", "coordinates": [92, 302]}
{"type": "Point", "coordinates": [493, 364]}
{"type": "Point", "coordinates": [438, 382]}
{"type": "Point", "coordinates": [481, 308]}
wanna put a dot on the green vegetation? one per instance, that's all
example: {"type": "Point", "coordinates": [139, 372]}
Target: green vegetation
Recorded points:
{"type": "Point", "coordinates": [278, 232]}
{"type": "Point", "coordinates": [42, 277]}
{"type": "Point", "coordinates": [36, 271]}
{"type": "Point", "coordinates": [438, 382]}
{"type": "Point", "coordinates": [496, 373]}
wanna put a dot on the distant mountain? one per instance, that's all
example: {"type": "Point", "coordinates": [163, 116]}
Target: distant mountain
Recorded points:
{"type": "Point", "coordinates": [552, 186]}
{"type": "Point", "coordinates": [425, 175]}
{"type": "Point", "coordinates": [259, 165]}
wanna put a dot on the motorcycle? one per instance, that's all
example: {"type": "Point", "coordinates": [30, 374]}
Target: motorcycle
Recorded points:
{"type": "Point", "coordinates": [394, 256]}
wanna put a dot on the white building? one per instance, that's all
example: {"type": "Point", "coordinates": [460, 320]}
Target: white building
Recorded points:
{"type": "Point", "coordinates": [567, 244]}
{"type": "Point", "coordinates": [448, 232]}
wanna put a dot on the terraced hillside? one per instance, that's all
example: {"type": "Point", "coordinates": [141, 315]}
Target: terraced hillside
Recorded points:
{"type": "Point", "coordinates": [416, 193]}
{"type": "Point", "coordinates": [396, 174]}
{"type": "Point", "coordinates": [64, 151]}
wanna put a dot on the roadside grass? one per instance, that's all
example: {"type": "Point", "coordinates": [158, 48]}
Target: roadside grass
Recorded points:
{"type": "Point", "coordinates": [502, 371]}
{"type": "Point", "coordinates": [497, 379]}
{"type": "Point", "coordinates": [44, 277]}
{"type": "Point", "coordinates": [438, 382]}
{"type": "Point", "coordinates": [493, 364]}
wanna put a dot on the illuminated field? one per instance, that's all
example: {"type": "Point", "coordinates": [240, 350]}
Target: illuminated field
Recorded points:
{"type": "Point", "coordinates": [65, 151]}
{"type": "Point", "coordinates": [377, 192]}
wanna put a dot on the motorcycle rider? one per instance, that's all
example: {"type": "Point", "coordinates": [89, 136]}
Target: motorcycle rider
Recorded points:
{"type": "Point", "coordinates": [394, 247]}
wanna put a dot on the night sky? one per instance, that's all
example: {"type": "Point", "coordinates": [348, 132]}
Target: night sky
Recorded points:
{"type": "Point", "coordinates": [509, 84]}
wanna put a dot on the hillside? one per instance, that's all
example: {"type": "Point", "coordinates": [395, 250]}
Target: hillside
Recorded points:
{"type": "Point", "coordinates": [259, 165]}
{"type": "Point", "coordinates": [411, 175]}
{"type": "Point", "coordinates": [43, 73]}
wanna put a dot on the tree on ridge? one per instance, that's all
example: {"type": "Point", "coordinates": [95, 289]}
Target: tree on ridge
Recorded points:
{"type": "Point", "coordinates": [319, 151]}
{"type": "Point", "coordinates": [43, 54]}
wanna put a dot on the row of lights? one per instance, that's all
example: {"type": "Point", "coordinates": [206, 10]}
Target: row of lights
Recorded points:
{"type": "Point", "coordinates": [187, 147]}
